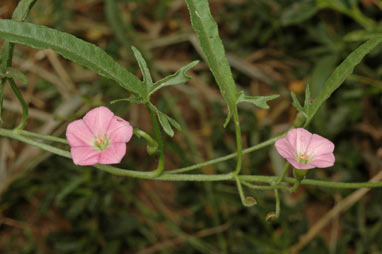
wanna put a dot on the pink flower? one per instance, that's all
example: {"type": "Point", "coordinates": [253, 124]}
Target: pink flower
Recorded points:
{"type": "Point", "coordinates": [99, 137]}
{"type": "Point", "coordinates": [305, 150]}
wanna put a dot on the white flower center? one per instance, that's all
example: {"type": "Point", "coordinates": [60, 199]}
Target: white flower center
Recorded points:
{"type": "Point", "coordinates": [101, 142]}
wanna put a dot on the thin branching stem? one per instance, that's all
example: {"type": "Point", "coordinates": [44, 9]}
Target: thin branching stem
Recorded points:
{"type": "Point", "coordinates": [190, 177]}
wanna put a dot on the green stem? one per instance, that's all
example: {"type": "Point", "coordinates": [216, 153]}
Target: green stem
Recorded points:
{"type": "Point", "coordinates": [151, 142]}
{"type": "Point", "coordinates": [264, 187]}
{"type": "Point", "coordinates": [159, 170]}
{"type": "Point", "coordinates": [246, 201]}
{"type": "Point", "coordinates": [295, 187]}
{"type": "Point", "coordinates": [190, 177]}
{"type": "Point", "coordinates": [285, 170]}
{"type": "Point", "coordinates": [15, 134]}
{"type": "Point", "coordinates": [239, 146]}
{"type": "Point", "coordinates": [2, 85]}
{"type": "Point", "coordinates": [24, 105]}
{"type": "Point", "coordinates": [277, 202]}
{"type": "Point", "coordinates": [226, 157]}
{"type": "Point", "coordinates": [41, 136]}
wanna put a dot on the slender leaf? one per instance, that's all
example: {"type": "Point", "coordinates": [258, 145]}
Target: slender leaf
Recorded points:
{"type": "Point", "coordinates": [308, 99]}
{"type": "Point", "coordinates": [296, 103]}
{"type": "Point", "coordinates": [72, 48]}
{"type": "Point", "coordinates": [20, 14]}
{"type": "Point", "coordinates": [212, 46]}
{"type": "Point", "coordinates": [144, 69]}
{"type": "Point", "coordinates": [15, 74]}
{"type": "Point", "coordinates": [22, 10]}
{"type": "Point", "coordinates": [341, 73]}
{"type": "Point", "coordinates": [135, 100]}
{"type": "Point", "coordinates": [298, 12]}
{"type": "Point", "coordinates": [177, 78]}
{"type": "Point", "coordinates": [163, 120]}
{"type": "Point", "coordinates": [259, 101]}
{"type": "Point", "coordinates": [166, 122]}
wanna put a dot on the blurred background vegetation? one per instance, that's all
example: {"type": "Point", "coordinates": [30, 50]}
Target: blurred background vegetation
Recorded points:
{"type": "Point", "coordinates": [49, 205]}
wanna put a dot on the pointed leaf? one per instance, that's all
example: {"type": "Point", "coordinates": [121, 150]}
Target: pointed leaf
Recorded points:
{"type": "Point", "coordinates": [22, 10]}
{"type": "Point", "coordinates": [296, 103]}
{"type": "Point", "coordinates": [213, 49]}
{"type": "Point", "coordinates": [174, 123]}
{"type": "Point", "coordinates": [144, 69]}
{"type": "Point", "coordinates": [163, 120]}
{"type": "Point", "coordinates": [341, 73]}
{"type": "Point", "coordinates": [15, 74]}
{"type": "Point", "coordinates": [259, 101]}
{"type": "Point", "coordinates": [72, 48]}
{"type": "Point", "coordinates": [177, 78]}
{"type": "Point", "coordinates": [308, 99]}
{"type": "Point", "coordinates": [135, 100]}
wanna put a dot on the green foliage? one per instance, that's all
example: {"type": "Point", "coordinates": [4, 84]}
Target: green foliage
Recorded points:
{"type": "Point", "coordinates": [22, 10]}
{"type": "Point", "coordinates": [15, 74]}
{"type": "Point", "coordinates": [72, 48]}
{"type": "Point", "coordinates": [259, 101]}
{"type": "Point", "coordinates": [213, 49]}
{"type": "Point", "coordinates": [298, 12]}
{"type": "Point", "coordinates": [166, 123]}
{"type": "Point", "coordinates": [179, 77]}
{"type": "Point", "coordinates": [107, 214]}
{"type": "Point", "coordinates": [147, 80]}
{"type": "Point", "coordinates": [340, 74]}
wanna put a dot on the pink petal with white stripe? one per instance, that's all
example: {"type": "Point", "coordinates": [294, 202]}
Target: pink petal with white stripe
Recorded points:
{"type": "Point", "coordinates": [98, 120]}
{"type": "Point", "coordinates": [85, 156]}
{"type": "Point", "coordinates": [323, 160]}
{"type": "Point", "coordinates": [113, 154]}
{"type": "Point", "coordinates": [320, 145]}
{"type": "Point", "coordinates": [78, 134]}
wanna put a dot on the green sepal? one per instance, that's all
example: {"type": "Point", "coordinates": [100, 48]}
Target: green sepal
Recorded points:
{"type": "Point", "coordinates": [300, 173]}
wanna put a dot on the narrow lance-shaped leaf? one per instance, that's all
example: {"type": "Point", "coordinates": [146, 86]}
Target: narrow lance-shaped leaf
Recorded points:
{"type": "Point", "coordinates": [135, 100]}
{"type": "Point", "coordinates": [296, 103]}
{"type": "Point", "coordinates": [340, 74]}
{"type": "Point", "coordinates": [72, 48]}
{"type": "Point", "coordinates": [22, 10]}
{"type": "Point", "coordinates": [20, 14]}
{"type": "Point", "coordinates": [259, 101]}
{"type": "Point", "coordinates": [212, 46]}
{"type": "Point", "coordinates": [177, 78]}
{"type": "Point", "coordinates": [166, 122]}
{"type": "Point", "coordinates": [144, 69]}
{"type": "Point", "coordinates": [15, 74]}
{"type": "Point", "coordinates": [308, 100]}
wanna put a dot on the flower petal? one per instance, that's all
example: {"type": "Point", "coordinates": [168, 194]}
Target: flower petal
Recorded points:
{"type": "Point", "coordinates": [119, 130]}
{"type": "Point", "coordinates": [285, 149]}
{"type": "Point", "coordinates": [85, 155]}
{"type": "Point", "coordinates": [323, 160]}
{"type": "Point", "coordinates": [78, 134]}
{"type": "Point", "coordinates": [98, 120]}
{"type": "Point", "coordinates": [113, 154]}
{"type": "Point", "coordinates": [301, 137]}
{"type": "Point", "coordinates": [298, 165]}
{"type": "Point", "coordinates": [320, 145]}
